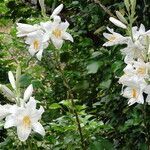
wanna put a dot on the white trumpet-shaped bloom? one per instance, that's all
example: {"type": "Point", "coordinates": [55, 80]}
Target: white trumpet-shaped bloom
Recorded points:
{"type": "Point", "coordinates": [134, 94]}
{"type": "Point", "coordinates": [142, 68]}
{"type": "Point", "coordinates": [26, 119]}
{"type": "Point", "coordinates": [56, 31]}
{"type": "Point", "coordinates": [114, 38]}
{"type": "Point", "coordinates": [138, 32]}
{"type": "Point", "coordinates": [37, 44]}
{"type": "Point", "coordinates": [26, 29]}
{"type": "Point", "coordinates": [132, 51]}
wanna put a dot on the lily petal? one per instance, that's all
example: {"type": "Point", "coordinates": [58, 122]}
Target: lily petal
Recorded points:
{"type": "Point", "coordinates": [9, 122]}
{"type": "Point", "coordinates": [67, 36]}
{"type": "Point", "coordinates": [39, 55]}
{"type": "Point", "coordinates": [57, 42]}
{"type": "Point", "coordinates": [23, 132]}
{"type": "Point", "coordinates": [37, 127]}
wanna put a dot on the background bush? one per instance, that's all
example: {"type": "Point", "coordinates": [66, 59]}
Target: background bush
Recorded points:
{"type": "Point", "coordinates": [92, 72]}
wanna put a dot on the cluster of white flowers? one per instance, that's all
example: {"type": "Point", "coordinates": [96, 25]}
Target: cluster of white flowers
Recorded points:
{"type": "Point", "coordinates": [136, 76]}
{"type": "Point", "coordinates": [38, 36]}
{"type": "Point", "coordinates": [23, 114]}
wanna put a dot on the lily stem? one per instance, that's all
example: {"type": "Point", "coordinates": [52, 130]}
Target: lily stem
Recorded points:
{"type": "Point", "coordinates": [71, 96]}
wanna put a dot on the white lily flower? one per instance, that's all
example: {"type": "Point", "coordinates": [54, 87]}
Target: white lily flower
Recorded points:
{"type": "Point", "coordinates": [56, 31]}
{"type": "Point", "coordinates": [117, 22]}
{"type": "Point", "coordinates": [114, 38]}
{"type": "Point", "coordinates": [137, 68]}
{"type": "Point", "coordinates": [132, 51]}
{"type": "Point", "coordinates": [134, 94]}
{"type": "Point", "coordinates": [138, 32]}
{"type": "Point", "coordinates": [26, 119]}
{"type": "Point", "coordinates": [128, 73]}
{"type": "Point", "coordinates": [131, 80]}
{"type": "Point", "coordinates": [134, 90]}
{"type": "Point", "coordinates": [12, 80]}
{"type": "Point", "coordinates": [142, 68]}
{"type": "Point", "coordinates": [37, 43]}
{"type": "Point", "coordinates": [57, 10]}
{"type": "Point", "coordinates": [26, 29]}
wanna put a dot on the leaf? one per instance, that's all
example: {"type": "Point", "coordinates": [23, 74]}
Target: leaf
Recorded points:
{"type": "Point", "coordinates": [105, 84]}
{"type": "Point", "coordinates": [54, 106]}
{"type": "Point", "coordinates": [116, 66]}
{"type": "Point", "coordinates": [93, 67]}
{"type": "Point", "coordinates": [121, 17]}
{"type": "Point", "coordinates": [25, 80]}
{"type": "Point", "coordinates": [102, 144]}
{"type": "Point", "coordinates": [82, 85]}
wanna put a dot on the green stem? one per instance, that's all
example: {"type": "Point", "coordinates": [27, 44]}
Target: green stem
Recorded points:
{"type": "Point", "coordinates": [147, 137]}
{"type": "Point", "coordinates": [104, 8]}
{"type": "Point", "coordinates": [71, 97]}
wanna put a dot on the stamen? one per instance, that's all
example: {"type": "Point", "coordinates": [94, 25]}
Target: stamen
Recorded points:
{"type": "Point", "coordinates": [134, 93]}
{"type": "Point", "coordinates": [36, 44]}
{"type": "Point", "coordinates": [112, 38]}
{"type": "Point", "coordinates": [141, 70]}
{"type": "Point", "coordinates": [57, 33]}
{"type": "Point", "coordinates": [26, 121]}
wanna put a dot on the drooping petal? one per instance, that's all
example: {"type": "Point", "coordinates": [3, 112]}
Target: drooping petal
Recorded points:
{"type": "Point", "coordinates": [67, 36]}
{"type": "Point", "coordinates": [39, 55]}
{"type": "Point", "coordinates": [23, 132]}
{"type": "Point", "coordinates": [31, 50]}
{"type": "Point", "coordinates": [28, 93]}
{"type": "Point", "coordinates": [37, 127]}
{"type": "Point", "coordinates": [12, 80]}
{"type": "Point", "coordinates": [36, 115]}
{"type": "Point", "coordinates": [57, 42]}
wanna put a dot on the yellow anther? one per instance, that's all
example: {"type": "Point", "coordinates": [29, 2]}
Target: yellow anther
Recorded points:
{"type": "Point", "coordinates": [134, 93]}
{"type": "Point", "coordinates": [26, 121]}
{"type": "Point", "coordinates": [57, 33]}
{"type": "Point", "coordinates": [141, 70]}
{"type": "Point", "coordinates": [112, 38]}
{"type": "Point", "coordinates": [36, 44]}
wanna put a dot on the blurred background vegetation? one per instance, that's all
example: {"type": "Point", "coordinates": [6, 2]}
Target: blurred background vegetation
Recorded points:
{"type": "Point", "coordinates": [92, 72]}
